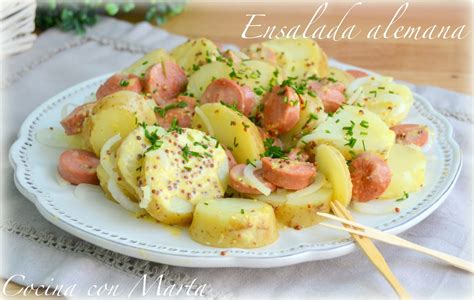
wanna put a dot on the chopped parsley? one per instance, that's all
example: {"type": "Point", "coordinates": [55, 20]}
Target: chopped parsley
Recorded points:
{"type": "Point", "coordinates": [271, 150]}
{"type": "Point", "coordinates": [404, 197]}
{"type": "Point", "coordinates": [231, 106]}
{"type": "Point", "coordinates": [351, 142]}
{"type": "Point", "coordinates": [249, 162]}
{"type": "Point", "coordinates": [186, 153]}
{"type": "Point", "coordinates": [145, 62]}
{"type": "Point", "coordinates": [242, 211]}
{"type": "Point", "coordinates": [175, 127]}
{"type": "Point", "coordinates": [364, 124]}
{"type": "Point", "coordinates": [152, 137]}
{"type": "Point", "coordinates": [124, 83]}
{"type": "Point", "coordinates": [162, 111]}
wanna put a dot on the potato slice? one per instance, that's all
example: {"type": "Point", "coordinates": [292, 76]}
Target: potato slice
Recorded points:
{"type": "Point", "coordinates": [389, 100]}
{"type": "Point", "coordinates": [230, 128]}
{"type": "Point", "coordinates": [302, 212]}
{"type": "Point", "coordinates": [297, 57]}
{"type": "Point", "coordinates": [186, 169]}
{"type": "Point", "coordinates": [332, 164]}
{"type": "Point", "coordinates": [131, 152]}
{"type": "Point", "coordinates": [340, 76]}
{"type": "Point", "coordinates": [117, 113]}
{"type": "Point", "coordinates": [199, 81]}
{"type": "Point", "coordinates": [259, 76]}
{"type": "Point", "coordinates": [311, 115]}
{"type": "Point", "coordinates": [408, 165]}
{"type": "Point", "coordinates": [231, 222]}
{"type": "Point", "coordinates": [353, 130]}
{"type": "Point", "coordinates": [195, 53]}
{"type": "Point", "coordinates": [140, 67]}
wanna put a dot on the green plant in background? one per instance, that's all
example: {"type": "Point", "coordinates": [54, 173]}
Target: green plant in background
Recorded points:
{"type": "Point", "coordinates": [77, 15]}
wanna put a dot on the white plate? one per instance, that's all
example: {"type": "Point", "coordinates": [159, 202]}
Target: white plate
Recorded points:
{"type": "Point", "coordinates": [106, 224]}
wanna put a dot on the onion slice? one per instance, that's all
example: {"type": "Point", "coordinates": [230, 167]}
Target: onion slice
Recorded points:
{"type": "Point", "coordinates": [253, 181]}
{"type": "Point", "coordinates": [55, 137]}
{"type": "Point", "coordinates": [205, 120]}
{"type": "Point", "coordinates": [121, 198]}
{"type": "Point", "coordinates": [105, 158]}
{"type": "Point", "coordinates": [310, 189]}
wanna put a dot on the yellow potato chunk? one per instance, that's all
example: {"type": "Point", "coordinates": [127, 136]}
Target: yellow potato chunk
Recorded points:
{"type": "Point", "coordinates": [389, 100]}
{"type": "Point", "coordinates": [195, 53]}
{"type": "Point", "coordinates": [131, 152]}
{"type": "Point", "coordinates": [187, 168]}
{"type": "Point", "coordinates": [199, 81]}
{"type": "Point", "coordinates": [332, 164]}
{"type": "Point", "coordinates": [311, 115]}
{"type": "Point", "coordinates": [340, 75]}
{"type": "Point", "coordinates": [299, 212]}
{"type": "Point", "coordinates": [354, 130]}
{"type": "Point", "coordinates": [297, 57]}
{"type": "Point", "coordinates": [117, 113]}
{"type": "Point", "coordinates": [408, 165]}
{"type": "Point", "coordinates": [232, 129]}
{"type": "Point", "coordinates": [302, 212]}
{"type": "Point", "coordinates": [232, 222]}
{"type": "Point", "coordinates": [140, 67]}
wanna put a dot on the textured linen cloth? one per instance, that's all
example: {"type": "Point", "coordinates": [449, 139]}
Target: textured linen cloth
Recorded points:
{"type": "Point", "coordinates": [47, 255]}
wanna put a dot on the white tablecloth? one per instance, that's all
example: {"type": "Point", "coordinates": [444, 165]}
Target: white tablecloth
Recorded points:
{"type": "Point", "coordinates": [45, 254]}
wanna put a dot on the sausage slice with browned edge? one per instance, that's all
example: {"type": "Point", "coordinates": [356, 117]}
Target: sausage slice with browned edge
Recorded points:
{"type": "Point", "coordinates": [78, 166]}
{"type": "Point", "coordinates": [236, 180]}
{"type": "Point", "coordinates": [72, 123]}
{"type": "Point", "coordinates": [230, 92]}
{"type": "Point", "coordinates": [119, 82]}
{"type": "Point", "coordinates": [370, 176]}
{"type": "Point", "coordinates": [357, 73]}
{"type": "Point", "coordinates": [164, 81]}
{"type": "Point", "coordinates": [411, 134]}
{"type": "Point", "coordinates": [288, 174]}
{"type": "Point", "coordinates": [331, 94]}
{"type": "Point", "coordinates": [281, 109]}
{"type": "Point", "coordinates": [180, 109]}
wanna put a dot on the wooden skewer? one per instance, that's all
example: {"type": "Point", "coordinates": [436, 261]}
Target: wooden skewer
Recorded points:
{"type": "Point", "coordinates": [362, 230]}
{"type": "Point", "coordinates": [370, 250]}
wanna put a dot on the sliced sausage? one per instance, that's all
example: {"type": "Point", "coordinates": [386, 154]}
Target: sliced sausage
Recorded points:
{"type": "Point", "coordinates": [288, 174]}
{"type": "Point", "coordinates": [230, 92]}
{"type": "Point", "coordinates": [414, 134]}
{"type": "Point", "coordinates": [281, 109]}
{"type": "Point", "coordinates": [164, 81]}
{"type": "Point", "coordinates": [166, 114]}
{"type": "Point", "coordinates": [370, 176]}
{"type": "Point", "coordinates": [78, 166]}
{"type": "Point", "coordinates": [357, 73]}
{"type": "Point", "coordinates": [119, 82]}
{"type": "Point", "coordinates": [332, 94]}
{"type": "Point", "coordinates": [236, 180]}
{"type": "Point", "coordinates": [72, 123]}
{"type": "Point", "coordinates": [298, 154]}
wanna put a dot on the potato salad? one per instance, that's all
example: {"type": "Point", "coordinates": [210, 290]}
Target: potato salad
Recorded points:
{"type": "Point", "coordinates": [238, 144]}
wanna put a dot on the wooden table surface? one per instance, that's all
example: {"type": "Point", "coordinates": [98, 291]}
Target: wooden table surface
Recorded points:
{"type": "Point", "coordinates": [444, 63]}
